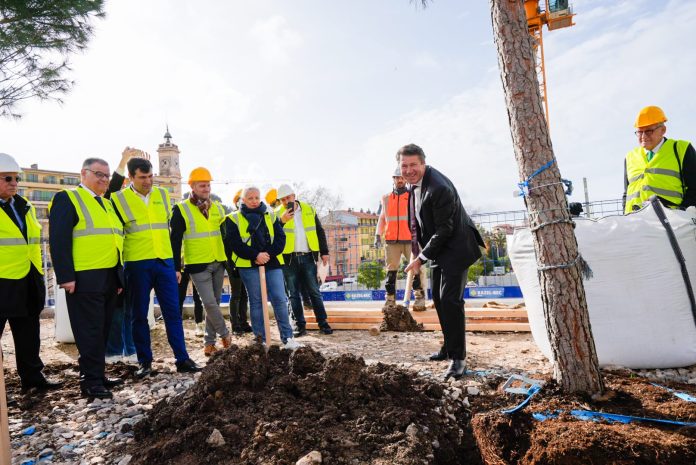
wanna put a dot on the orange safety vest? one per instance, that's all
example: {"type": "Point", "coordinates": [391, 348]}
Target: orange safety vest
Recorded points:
{"type": "Point", "coordinates": [397, 218]}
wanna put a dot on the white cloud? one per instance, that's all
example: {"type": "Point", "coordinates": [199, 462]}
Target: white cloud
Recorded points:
{"type": "Point", "coordinates": [276, 40]}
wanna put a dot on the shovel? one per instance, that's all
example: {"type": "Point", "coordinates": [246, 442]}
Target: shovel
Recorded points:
{"type": "Point", "coordinates": [264, 305]}
{"type": "Point", "coordinates": [5, 456]}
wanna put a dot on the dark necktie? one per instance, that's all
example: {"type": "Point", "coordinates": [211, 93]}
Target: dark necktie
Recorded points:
{"type": "Point", "coordinates": [100, 201]}
{"type": "Point", "coordinates": [413, 222]}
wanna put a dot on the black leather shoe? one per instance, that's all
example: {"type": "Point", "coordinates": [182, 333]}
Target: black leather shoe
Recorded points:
{"type": "Point", "coordinates": [299, 332]}
{"type": "Point", "coordinates": [43, 384]}
{"type": "Point", "coordinates": [144, 370]}
{"type": "Point", "coordinates": [456, 369]}
{"type": "Point", "coordinates": [97, 392]}
{"type": "Point", "coordinates": [325, 329]}
{"type": "Point", "coordinates": [112, 382]}
{"type": "Point", "coordinates": [246, 327]}
{"type": "Point", "coordinates": [187, 366]}
{"type": "Point", "coordinates": [438, 356]}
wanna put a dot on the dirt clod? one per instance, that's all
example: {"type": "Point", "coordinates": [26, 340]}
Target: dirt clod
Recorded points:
{"type": "Point", "coordinates": [398, 318]}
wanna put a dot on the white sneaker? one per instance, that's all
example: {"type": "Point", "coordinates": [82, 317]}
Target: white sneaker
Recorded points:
{"type": "Point", "coordinates": [200, 329]}
{"type": "Point", "coordinates": [292, 344]}
{"type": "Point", "coordinates": [111, 359]}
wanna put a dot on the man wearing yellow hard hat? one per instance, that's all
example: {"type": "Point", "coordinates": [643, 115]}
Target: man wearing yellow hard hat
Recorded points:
{"type": "Point", "coordinates": [659, 165]}
{"type": "Point", "coordinates": [197, 224]}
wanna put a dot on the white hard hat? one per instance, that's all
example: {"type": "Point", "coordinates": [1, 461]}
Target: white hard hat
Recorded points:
{"type": "Point", "coordinates": [8, 164]}
{"type": "Point", "coordinates": [285, 190]}
{"type": "Point", "coordinates": [397, 172]}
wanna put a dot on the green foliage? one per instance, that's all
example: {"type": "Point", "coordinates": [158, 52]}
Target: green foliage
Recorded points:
{"type": "Point", "coordinates": [475, 271]}
{"type": "Point", "coordinates": [371, 274]}
{"type": "Point", "coordinates": [36, 39]}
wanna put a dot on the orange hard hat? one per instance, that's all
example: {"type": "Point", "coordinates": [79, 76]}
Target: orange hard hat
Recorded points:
{"type": "Point", "coordinates": [237, 196]}
{"type": "Point", "coordinates": [271, 195]}
{"type": "Point", "coordinates": [649, 116]}
{"type": "Point", "coordinates": [200, 174]}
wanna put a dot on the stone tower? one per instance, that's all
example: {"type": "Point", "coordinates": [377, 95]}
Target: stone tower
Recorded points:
{"type": "Point", "coordinates": [169, 172]}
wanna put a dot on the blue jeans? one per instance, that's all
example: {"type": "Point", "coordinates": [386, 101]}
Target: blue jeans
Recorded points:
{"type": "Point", "coordinates": [141, 277]}
{"type": "Point", "coordinates": [276, 294]}
{"type": "Point", "coordinates": [120, 340]}
{"type": "Point", "coordinates": [300, 271]}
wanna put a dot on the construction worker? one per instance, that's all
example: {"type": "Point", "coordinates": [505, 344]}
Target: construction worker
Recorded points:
{"type": "Point", "coordinates": [254, 238]}
{"type": "Point", "coordinates": [145, 211]}
{"type": "Point", "coordinates": [305, 243]}
{"type": "Point", "coordinates": [198, 224]}
{"type": "Point", "coordinates": [393, 225]}
{"type": "Point", "coordinates": [658, 166]}
{"type": "Point", "coordinates": [22, 290]}
{"type": "Point", "coordinates": [86, 240]}
{"type": "Point", "coordinates": [239, 297]}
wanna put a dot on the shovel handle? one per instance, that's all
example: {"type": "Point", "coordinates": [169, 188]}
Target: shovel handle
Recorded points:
{"type": "Point", "coordinates": [5, 454]}
{"type": "Point", "coordinates": [264, 305]}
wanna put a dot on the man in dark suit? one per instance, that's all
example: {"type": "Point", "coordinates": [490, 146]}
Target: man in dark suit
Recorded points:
{"type": "Point", "coordinates": [86, 239]}
{"type": "Point", "coordinates": [22, 291]}
{"type": "Point", "coordinates": [442, 232]}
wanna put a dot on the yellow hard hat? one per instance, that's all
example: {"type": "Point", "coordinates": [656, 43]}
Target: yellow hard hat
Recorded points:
{"type": "Point", "coordinates": [649, 116]}
{"type": "Point", "coordinates": [271, 196]}
{"type": "Point", "coordinates": [237, 196]}
{"type": "Point", "coordinates": [200, 174]}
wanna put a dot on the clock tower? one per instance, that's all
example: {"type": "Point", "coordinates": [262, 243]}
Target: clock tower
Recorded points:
{"type": "Point", "coordinates": [169, 172]}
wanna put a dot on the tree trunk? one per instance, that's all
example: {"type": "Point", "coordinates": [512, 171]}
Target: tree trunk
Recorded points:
{"type": "Point", "coordinates": [565, 308]}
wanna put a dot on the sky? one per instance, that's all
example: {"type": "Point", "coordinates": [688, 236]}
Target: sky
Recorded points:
{"type": "Point", "coordinates": [324, 93]}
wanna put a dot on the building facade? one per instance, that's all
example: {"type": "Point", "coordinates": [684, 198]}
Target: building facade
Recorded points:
{"type": "Point", "coordinates": [350, 236]}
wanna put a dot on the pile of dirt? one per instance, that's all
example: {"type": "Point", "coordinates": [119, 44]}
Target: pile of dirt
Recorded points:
{"type": "Point", "coordinates": [276, 407]}
{"type": "Point", "coordinates": [565, 439]}
{"type": "Point", "coordinates": [398, 318]}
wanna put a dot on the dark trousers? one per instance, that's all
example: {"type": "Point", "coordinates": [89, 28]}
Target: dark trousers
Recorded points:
{"type": "Point", "coordinates": [120, 341]}
{"type": "Point", "coordinates": [448, 297]}
{"type": "Point", "coordinates": [27, 341]}
{"type": "Point", "coordinates": [90, 318]}
{"type": "Point", "coordinates": [301, 271]}
{"type": "Point", "coordinates": [142, 277]}
{"type": "Point", "coordinates": [239, 302]}
{"type": "Point", "coordinates": [197, 304]}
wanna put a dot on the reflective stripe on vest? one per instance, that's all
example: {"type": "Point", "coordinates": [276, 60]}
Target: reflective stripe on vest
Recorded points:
{"type": "Point", "coordinates": [98, 235]}
{"type": "Point", "coordinates": [396, 214]}
{"type": "Point", "coordinates": [17, 254]}
{"type": "Point", "coordinates": [202, 238]}
{"type": "Point", "coordinates": [146, 226]}
{"type": "Point", "coordinates": [310, 227]}
{"type": "Point", "coordinates": [243, 226]}
{"type": "Point", "coordinates": [659, 176]}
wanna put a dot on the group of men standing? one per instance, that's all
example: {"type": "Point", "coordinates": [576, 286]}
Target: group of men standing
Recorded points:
{"type": "Point", "coordinates": [134, 241]}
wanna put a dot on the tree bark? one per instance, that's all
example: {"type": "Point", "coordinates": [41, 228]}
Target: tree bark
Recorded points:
{"type": "Point", "coordinates": [576, 368]}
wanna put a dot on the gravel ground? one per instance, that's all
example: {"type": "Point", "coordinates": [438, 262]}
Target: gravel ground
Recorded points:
{"type": "Point", "coordinates": [69, 429]}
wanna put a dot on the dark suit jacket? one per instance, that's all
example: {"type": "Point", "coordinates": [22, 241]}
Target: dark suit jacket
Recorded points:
{"type": "Point", "coordinates": [61, 221]}
{"type": "Point", "coordinates": [448, 236]}
{"type": "Point", "coordinates": [25, 296]}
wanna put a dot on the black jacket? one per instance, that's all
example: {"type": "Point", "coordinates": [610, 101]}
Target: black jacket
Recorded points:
{"type": "Point", "coordinates": [234, 243]}
{"type": "Point", "coordinates": [448, 236]}
{"type": "Point", "coordinates": [25, 296]}
{"type": "Point", "coordinates": [61, 221]}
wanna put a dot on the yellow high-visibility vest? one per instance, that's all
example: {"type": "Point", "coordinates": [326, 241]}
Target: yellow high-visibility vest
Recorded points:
{"type": "Point", "coordinates": [146, 226]}
{"type": "Point", "coordinates": [660, 176]}
{"type": "Point", "coordinates": [310, 227]}
{"type": "Point", "coordinates": [202, 238]}
{"type": "Point", "coordinates": [243, 226]}
{"type": "Point", "coordinates": [97, 239]}
{"type": "Point", "coordinates": [16, 253]}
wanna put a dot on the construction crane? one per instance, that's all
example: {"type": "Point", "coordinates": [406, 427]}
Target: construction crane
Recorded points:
{"type": "Point", "coordinates": [555, 14]}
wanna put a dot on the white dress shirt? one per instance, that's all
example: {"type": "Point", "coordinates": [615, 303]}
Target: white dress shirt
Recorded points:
{"type": "Point", "coordinates": [301, 244]}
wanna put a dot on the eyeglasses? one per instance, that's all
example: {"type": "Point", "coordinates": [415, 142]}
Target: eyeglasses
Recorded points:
{"type": "Point", "coordinates": [648, 132]}
{"type": "Point", "coordinates": [10, 178]}
{"type": "Point", "coordinates": [99, 174]}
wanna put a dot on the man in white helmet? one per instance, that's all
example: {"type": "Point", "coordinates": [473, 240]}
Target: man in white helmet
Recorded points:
{"type": "Point", "coordinates": [305, 242]}
{"type": "Point", "coordinates": [393, 225]}
{"type": "Point", "coordinates": [22, 291]}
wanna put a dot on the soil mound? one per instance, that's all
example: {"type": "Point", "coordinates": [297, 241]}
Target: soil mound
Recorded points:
{"type": "Point", "coordinates": [278, 406]}
{"type": "Point", "coordinates": [520, 439]}
{"type": "Point", "coordinates": [398, 318]}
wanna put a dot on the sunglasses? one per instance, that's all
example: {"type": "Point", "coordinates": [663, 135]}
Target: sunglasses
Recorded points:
{"type": "Point", "coordinates": [10, 178]}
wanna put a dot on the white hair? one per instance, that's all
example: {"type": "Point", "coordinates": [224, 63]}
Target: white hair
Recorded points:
{"type": "Point", "coordinates": [248, 189]}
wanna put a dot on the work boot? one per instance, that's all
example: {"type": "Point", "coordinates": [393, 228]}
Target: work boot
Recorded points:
{"type": "Point", "coordinates": [209, 350]}
{"type": "Point", "coordinates": [419, 304]}
{"type": "Point", "coordinates": [391, 299]}
{"type": "Point", "coordinates": [300, 331]}
{"type": "Point", "coordinates": [226, 341]}
{"type": "Point", "coordinates": [324, 328]}
{"type": "Point", "coordinates": [200, 329]}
